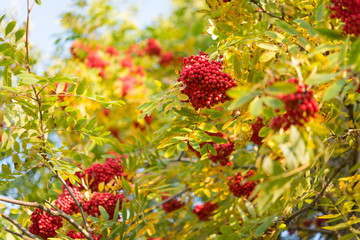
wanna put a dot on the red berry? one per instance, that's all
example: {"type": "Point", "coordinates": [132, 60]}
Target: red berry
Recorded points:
{"type": "Point", "coordinates": [44, 224]}
{"type": "Point", "coordinates": [205, 83]}
{"type": "Point", "coordinates": [77, 235]}
{"type": "Point", "coordinates": [66, 203]}
{"type": "Point", "coordinates": [299, 107]}
{"type": "Point", "coordinates": [172, 205]}
{"type": "Point", "coordinates": [238, 187]}
{"type": "Point", "coordinates": [256, 127]}
{"type": "Point", "coordinates": [152, 47]}
{"type": "Point", "coordinates": [348, 11]}
{"type": "Point", "coordinates": [106, 200]}
{"type": "Point", "coordinates": [205, 211]}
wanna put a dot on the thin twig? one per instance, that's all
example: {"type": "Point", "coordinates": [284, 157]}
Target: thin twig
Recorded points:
{"type": "Point", "coordinates": [22, 59]}
{"type": "Point", "coordinates": [57, 212]}
{"type": "Point", "coordinates": [19, 226]}
{"type": "Point", "coordinates": [314, 230]}
{"type": "Point", "coordinates": [352, 155]}
{"type": "Point", "coordinates": [14, 233]}
{"type": "Point", "coordinates": [169, 199]}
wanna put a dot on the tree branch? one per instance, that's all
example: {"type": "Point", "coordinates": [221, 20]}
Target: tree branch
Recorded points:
{"type": "Point", "coordinates": [170, 198]}
{"type": "Point", "coordinates": [27, 36]}
{"type": "Point", "coordinates": [351, 156]}
{"type": "Point", "coordinates": [57, 212]}
{"type": "Point", "coordinates": [19, 226]}
{"type": "Point", "coordinates": [314, 230]}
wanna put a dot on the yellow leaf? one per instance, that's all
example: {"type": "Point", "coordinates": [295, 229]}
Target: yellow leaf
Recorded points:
{"type": "Point", "coordinates": [207, 192]}
{"type": "Point", "coordinates": [150, 230]}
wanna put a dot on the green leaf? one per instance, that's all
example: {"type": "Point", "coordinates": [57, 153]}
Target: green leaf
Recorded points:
{"type": "Point", "coordinates": [333, 90]}
{"type": "Point", "coordinates": [264, 131]}
{"type": "Point", "coordinates": [274, 103]}
{"type": "Point", "coordinates": [170, 151]}
{"type": "Point", "coordinates": [124, 210]}
{"type": "Point", "coordinates": [38, 2]}
{"type": "Point", "coordinates": [336, 227]}
{"type": "Point", "coordinates": [10, 27]}
{"type": "Point", "coordinates": [82, 87]}
{"type": "Point", "coordinates": [103, 212]}
{"type": "Point", "coordinates": [319, 14]}
{"type": "Point", "coordinates": [280, 88]}
{"type": "Point", "coordinates": [265, 225]}
{"type": "Point", "coordinates": [330, 34]}
{"type": "Point", "coordinates": [27, 79]}
{"type": "Point", "coordinates": [286, 27]}
{"type": "Point", "coordinates": [19, 34]}
{"type": "Point", "coordinates": [225, 229]}
{"type": "Point", "coordinates": [126, 184]}
{"type": "Point", "coordinates": [4, 46]}
{"type": "Point", "coordinates": [256, 107]}
{"type": "Point", "coordinates": [275, 35]}
{"type": "Point", "coordinates": [241, 96]}
{"type": "Point", "coordinates": [267, 56]}
{"type": "Point", "coordinates": [320, 78]}
{"type": "Point", "coordinates": [268, 46]}
{"type": "Point", "coordinates": [5, 169]}
{"type": "Point", "coordinates": [237, 66]}
{"type": "Point", "coordinates": [348, 236]}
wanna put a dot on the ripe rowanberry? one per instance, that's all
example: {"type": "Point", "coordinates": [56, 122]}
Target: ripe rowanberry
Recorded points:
{"type": "Point", "coordinates": [204, 82]}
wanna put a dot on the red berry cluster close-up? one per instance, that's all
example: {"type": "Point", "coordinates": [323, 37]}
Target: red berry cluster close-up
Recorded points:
{"type": "Point", "coordinates": [349, 13]}
{"type": "Point", "coordinates": [166, 59]}
{"type": "Point", "coordinates": [106, 200]}
{"type": "Point", "coordinates": [299, 107]}
{"type": "Point", "coordinates": [171, 205]}
{"type": "Point", "coordinates": [77, 235]}
{"type": "Point", "coordinates": [256, 127]}
{"type": "Point", "coordinates": [223, 153]}
{"type": "Point", "coordinates": [66, 203]}
{"type": "Point", "coordinates": [205, 211]}
{"type": "Point", "coordinates": [153, 47]}
{"type": "Point", "coordinates": [240, 188]}
{"type": "Point", "coordinates": [106, 172]}
{"type": "Point", "coordinates": [112, 51]}
{"type": "Point", "coordinates": [204, 82]}
{"type": "Point", "coordinates": [43, 224]}
{"type": "Point", "coordinates": [93, 60]}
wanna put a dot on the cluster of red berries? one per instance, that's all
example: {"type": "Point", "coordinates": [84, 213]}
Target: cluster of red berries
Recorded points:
{"type": "Point", "coordinates": [77, 235]}
{"type": "Point", "coordinates": [349, 13]}
{"type": "Point", "coordinates": [205, 211]}
{"type": "Point", "coordinates": [204, 82]}
{"type": "Point", "coordinates": [299, 107]}
{"type": "Point", "coordinates": [223, 153]}
{"type": "Point", "coordinates": [93, 60]}
{"type": "Point", "coordinates": [136, 49]}
{"type": "Point", "coordinates": [44, 224]}
{"type": "Point", "coordinates": [106, 172]}
{"type": "Point", "coordinates": [128, 82]}
{"type": "Point", "coordinates": [112, 51]}
{"type": "Point", "coordinates": [66, 203]}
{"type": "Point", "coordinates": [256, 127]}
{"type": "Point", "coordinates": [166, 59]}
{"type": "Point", "coordinates": [80, 49]}
{"type": "Point", "coordinates": [152, 47]}
{"type": "Point", "coordinates": [106, 200]}
{"type": "Point", "coordinates": [238, 187]}
{"type": "Point", "coordinates": [171, 205]}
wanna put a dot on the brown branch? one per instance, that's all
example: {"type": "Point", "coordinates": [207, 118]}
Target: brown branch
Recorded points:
{"type": "Point", "coordinates": [351, 156]}
{"type": "Point", "coordinates": [19, 226]}
{"type": "Point", "coordinates": [15, 233]}
{"type": "Point", "coordinates": [169, 199]}
{"type": "Point", "coordinates": [314, 230]}
{"type": "Point", "coordinates": [57, 212]}
{"type": "Point", "coordinates": [266, 12]}
{"type": "Point", "coordinates": [56, 173]}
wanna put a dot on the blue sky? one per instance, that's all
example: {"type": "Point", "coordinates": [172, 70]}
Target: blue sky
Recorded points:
{"type": "Point", "coordinates": [45, 18]}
